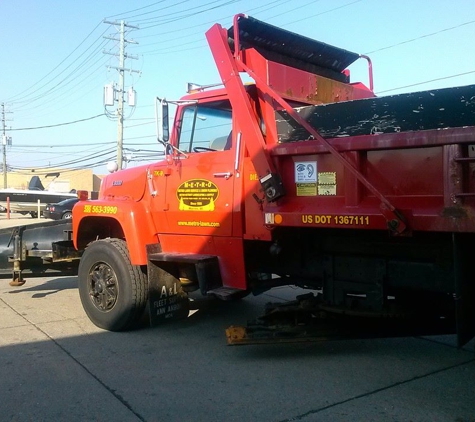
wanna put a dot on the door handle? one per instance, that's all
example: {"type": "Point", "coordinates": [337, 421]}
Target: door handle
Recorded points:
{"type": "Point", "coordinates": [226, 175]}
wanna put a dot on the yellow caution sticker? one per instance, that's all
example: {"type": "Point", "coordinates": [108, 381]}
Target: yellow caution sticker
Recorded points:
{"type": "Point", "coordinates": [327, 183]}
{"type": "Point", "coordinates": [306, 189]}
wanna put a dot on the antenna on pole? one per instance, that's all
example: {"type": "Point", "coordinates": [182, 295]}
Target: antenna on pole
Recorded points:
{"type": "Point", "coordinates": [110, 91]}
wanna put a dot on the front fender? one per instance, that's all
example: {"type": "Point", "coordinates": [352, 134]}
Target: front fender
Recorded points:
{"type": "Point", "coordinates": [129, 220]}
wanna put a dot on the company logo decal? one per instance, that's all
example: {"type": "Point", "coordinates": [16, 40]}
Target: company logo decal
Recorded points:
{"type": "Point", "coordinates": [197, 195]}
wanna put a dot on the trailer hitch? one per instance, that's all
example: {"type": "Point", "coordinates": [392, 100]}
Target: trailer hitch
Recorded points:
{"type": "Point", "coordinates": [17, 276]}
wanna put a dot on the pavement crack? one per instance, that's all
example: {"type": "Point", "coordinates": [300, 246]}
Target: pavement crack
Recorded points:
{"type": "Point", "coordinates": [442, 343]}
{"type": "Point", "coordinates": [102, 383]}
{"type": "Point", "coordinates": [370, 393]}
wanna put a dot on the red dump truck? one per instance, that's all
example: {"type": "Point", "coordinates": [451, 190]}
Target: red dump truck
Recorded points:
{"type": "Point", "coordinates": [302, 178]}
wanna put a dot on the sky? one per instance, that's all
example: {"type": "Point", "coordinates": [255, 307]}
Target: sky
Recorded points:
{"type": "Point", "coordinates": [57, 55]}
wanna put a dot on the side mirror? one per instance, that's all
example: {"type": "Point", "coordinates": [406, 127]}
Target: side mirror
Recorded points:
{"type": "Point", "coordinates": [163, 131]}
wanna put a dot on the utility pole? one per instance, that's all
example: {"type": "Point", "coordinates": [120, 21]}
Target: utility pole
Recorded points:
{"type": "Point", "coordinates": [5, 141]}
{"type": "Point", "coordinates": [121, 87]}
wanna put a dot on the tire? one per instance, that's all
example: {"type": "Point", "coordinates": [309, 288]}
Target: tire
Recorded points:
{"type": "Point", "coordinates": [67, 215]}
{"type": "Point", "coordinates": [113, 292]}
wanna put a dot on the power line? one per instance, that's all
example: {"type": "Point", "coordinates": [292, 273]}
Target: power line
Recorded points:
{"type": "Point", "coordinates": [67, 145]}
{"type": "Point", "coordinates": [266, 7]}
{"type": "Point", "coordinates": [85, 160]}
{"type": "Point", "coordinates": [421, 37]}
{"type": "Point", "coordinates": [159, 10]}
{"type": "Point", "coordinates": [61, 84]}
{"type": "Point", "coordinates": [55, 167]}
{"type": "Point", "coordinates": [141, 137]}
{"type": "Point", "coordinates": [56, 67]}
{"type": "Point", "coordinates": [294, 8]}
{"type": "Point", "coordinates": [72, 162]}
{"type": "Point", "coordinates": [135, 10]}
{"type": "Point", "coordinates": [139, 124]}
{"type": "Point", "coordinates": [184, 16]}
{"type": "Point", "coordinates": [60, 124]}
{"type": "Point", "coordinates": [426, 82]}
{"type": "Point", "coordinates": [174, 50]}
{"type": "Point", "coordinates": [62, 97]}
{"type": "Point", "coordinates": [324, 12]}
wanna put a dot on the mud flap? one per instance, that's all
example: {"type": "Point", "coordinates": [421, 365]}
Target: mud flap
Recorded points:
{"type": "Point", "coordinates": [167, 300]}
{"type": "Point", "coordinates": [464, 271]}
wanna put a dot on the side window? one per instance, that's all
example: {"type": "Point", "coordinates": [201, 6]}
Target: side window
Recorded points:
{"type": "Point", "coordinates": [206, 127]}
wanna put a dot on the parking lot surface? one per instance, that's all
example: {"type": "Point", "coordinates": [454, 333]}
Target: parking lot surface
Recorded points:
{"type": "Point", "coordinates": [56, 365]}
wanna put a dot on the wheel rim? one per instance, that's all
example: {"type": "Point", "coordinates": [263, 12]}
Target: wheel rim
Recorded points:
{"type": "Point", "coordinates": [103, 287]}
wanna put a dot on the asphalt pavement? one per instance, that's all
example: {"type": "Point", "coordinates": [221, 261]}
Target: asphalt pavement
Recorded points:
{"type": "Point", "coordinates": [16, 219]}
{"type": "Point", "coordinates": [55, 365]}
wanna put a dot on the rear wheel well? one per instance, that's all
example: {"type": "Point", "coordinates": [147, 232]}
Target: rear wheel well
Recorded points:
{"type": "Point", "coordinates": [94, 228]}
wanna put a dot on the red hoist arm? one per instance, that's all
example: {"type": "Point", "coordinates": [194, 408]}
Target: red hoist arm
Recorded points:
{"type": "Point", "coordinates": [270, 180]}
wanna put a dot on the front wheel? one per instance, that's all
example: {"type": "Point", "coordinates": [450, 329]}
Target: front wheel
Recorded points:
{"type": "Point", "coordinates": [113, 292]}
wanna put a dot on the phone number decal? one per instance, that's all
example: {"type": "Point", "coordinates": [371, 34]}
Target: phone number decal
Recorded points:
{"type": "Point", "coordinates": [343, 220]}
{"type": "Point", "coordinates": [100, 209]}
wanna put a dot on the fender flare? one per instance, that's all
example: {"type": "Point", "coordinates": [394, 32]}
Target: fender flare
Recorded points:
{"type": "Point", "coordinates": [120, 219]}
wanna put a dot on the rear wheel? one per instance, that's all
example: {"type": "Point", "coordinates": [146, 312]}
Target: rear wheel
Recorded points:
{"type": "Point", "coordinates": [113, 292]}
{"type": "Point", "coordinates": [67, 215]}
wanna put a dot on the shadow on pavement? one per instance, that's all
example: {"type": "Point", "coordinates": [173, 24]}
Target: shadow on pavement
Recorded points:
{"type": "Point", "coordinates": [47, 288]}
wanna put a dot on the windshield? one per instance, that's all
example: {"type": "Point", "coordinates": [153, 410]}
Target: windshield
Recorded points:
{"type": "Point", "coordinates": [206, 127]}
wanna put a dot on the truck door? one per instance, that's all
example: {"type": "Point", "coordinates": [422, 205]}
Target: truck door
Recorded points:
{"type": "Point", "coordinates": [197, 177]}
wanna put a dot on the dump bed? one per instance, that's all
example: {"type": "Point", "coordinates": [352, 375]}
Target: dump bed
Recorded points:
{"type": "Point", "coordinates": [417, 150]}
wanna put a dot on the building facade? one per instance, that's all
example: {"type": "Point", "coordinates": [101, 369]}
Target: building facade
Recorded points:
{"type": "Point", "coordinates": [59, 180]}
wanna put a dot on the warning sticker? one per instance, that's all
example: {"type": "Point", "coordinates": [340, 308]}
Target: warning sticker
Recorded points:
{"type": "Point", "coordinates": [327, 183]}
{"type": "Point", "coordinates": [306, 189]}
{"type": "Point", "coordinates": [327, 178]}
{"type": "Point", "coordinates": [197, 195]}
{"type": "Point", "coordinates": [306, 172]}
{"type": "Point", "coordinates": [327, 190]}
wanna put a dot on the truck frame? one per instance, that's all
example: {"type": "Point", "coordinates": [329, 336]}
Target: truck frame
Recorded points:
{"type": "Point", "coordinates": [300, 178]}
